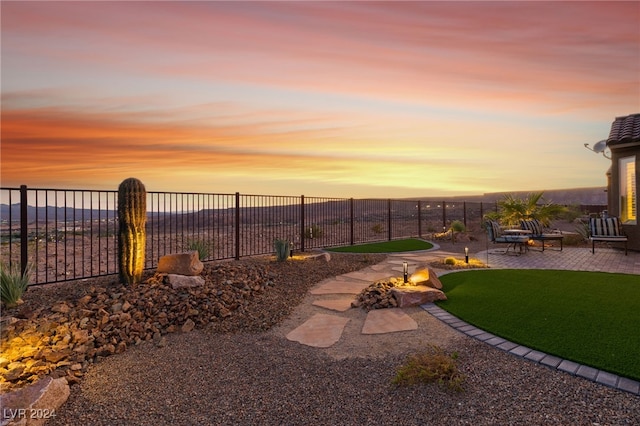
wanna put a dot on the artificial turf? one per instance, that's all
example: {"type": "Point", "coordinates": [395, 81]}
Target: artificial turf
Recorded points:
{"type": "Point", "coordinates": [592, 318]}
{"type": "Point", "coordinates": [409, 244]}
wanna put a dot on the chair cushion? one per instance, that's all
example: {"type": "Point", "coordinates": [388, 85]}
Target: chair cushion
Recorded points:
{"type": "Point", "coordinates": [609, 227]}
{"type": "Point", "coordinates": [493, 228]}
{"type": "Point", "coordinates": [512, 239]}
{"type": "Point", "coordinates": [532, 225]}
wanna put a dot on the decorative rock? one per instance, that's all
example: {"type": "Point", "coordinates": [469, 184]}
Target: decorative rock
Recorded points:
{"type": "Point", "coordinates": [183, 281]}
{"type": "Point", "coordinates": [321, 256]}
{"type": "Point", "coordinates": [44, 396]}
{"type": "Point", "coordinates": [416, 295]}
{"type": "Point", "coordinates": [181, 263]}
{"type": "Point", "coordinates": [426, 277]}
{"type": "Point", "coordinates": [188, 326]}
{"type": "Point", "coordinates": [61, 308]}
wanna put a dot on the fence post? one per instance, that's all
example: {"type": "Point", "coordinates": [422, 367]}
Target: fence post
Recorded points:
{"type": "Point", "coordinates": [464, 213]}
{"type": "Point", "coordinates": [237, 226]}
{"type": "Point", "coordinates": [419, 219]}
{"type": "Point", "coordinates": [24, 237]}
{"type": "Point", "coordinates": [351, 220]}
{"type": "Point", "coordinates": [302, 223]}
{"type": "Point", "coordinates": [389, 217]}
{"type": "Point", "coordinates": [444, 215]}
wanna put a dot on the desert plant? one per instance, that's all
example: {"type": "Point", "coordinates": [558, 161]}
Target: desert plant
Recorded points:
{"type": "Point", "coordinates": [583, 230]}
{"type": "Point", "coordinates": [13, 283]}
{"type": "Point", "coordinates": [431, 366]}
{"type": "Point", "coordinates": [512, 209]}
{"type": "Point", "coordinates": [314, 231]}
{"type": "Point", "coordinates": [457, 226]}
{"type": "Point", "coordinates": [132, 217]}
{"type": "Point", "coordinates": [282, 249]}
{"type": "Point", "coordinates": [202, 247]}
{"type": "Point", "coordinates": [450, 261]}
{"type": "Point", "coordinates": [377, 228]}
{"type": "Point", "coordinates": [571, 213]}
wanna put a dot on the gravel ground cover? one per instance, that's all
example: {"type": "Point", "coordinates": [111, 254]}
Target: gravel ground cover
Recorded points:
{"type": "Point", "coordinates": [232, 376]}
{"type": "Point", "coordinates": [244, 371]}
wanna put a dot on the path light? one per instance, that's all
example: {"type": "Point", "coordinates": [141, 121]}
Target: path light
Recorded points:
{"type": "Point", "coordinates": [405, 272]}
{"type": "Point", "coordinates": [466, 255]}
{"type": "Point", "coordinates": [291, 249]}
{"type": "Point", "coordinates": [311, 232]}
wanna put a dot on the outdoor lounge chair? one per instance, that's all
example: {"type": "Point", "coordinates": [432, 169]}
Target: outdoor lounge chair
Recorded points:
{"type": "Point", "coordinates": [606, 229]}
{"type": "Point", "coordinates": [538, 234]}
{"type": "Point", "coordinates": [512, 241]}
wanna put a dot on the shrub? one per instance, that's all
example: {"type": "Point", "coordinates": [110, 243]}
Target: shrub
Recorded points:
{"type": "Point", "coordinates": [377, 228]}
{"type": "Point", "coordinates": [429, 367]}
{"type": "Point", "coordinates": [457, 226]}
{"type": "Point", "coordinates": [13, 283]}
{"type": "Point", "coordinates": [202, 247]}
{"type": "Point", "coordinates": [582, 234]}
{"type": "Point", "coordinates": [571, 213]}
{"type": "Point", "coordinates": [282, 249]}
{"type": "Point", "coordinates": [314, 231]}
{"type": "Point", "coordinates": [450, 261]}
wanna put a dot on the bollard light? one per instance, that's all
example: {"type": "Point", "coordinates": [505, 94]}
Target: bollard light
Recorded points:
{"type": "Point", "coordinates": [291, 249]}
{"type": "Point", "coordinates": [405, 272]}
{"type": "Point", "coordinates": [466, 255]}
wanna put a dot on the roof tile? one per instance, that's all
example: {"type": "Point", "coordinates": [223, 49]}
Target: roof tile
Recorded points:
{"type": "Point", "coordinates": [625, 129]}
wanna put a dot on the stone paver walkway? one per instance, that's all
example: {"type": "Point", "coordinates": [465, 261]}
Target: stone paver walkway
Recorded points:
{"type": "Point", "coordinates": [324, 330]}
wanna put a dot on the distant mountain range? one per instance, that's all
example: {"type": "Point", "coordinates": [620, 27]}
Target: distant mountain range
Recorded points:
{"type": "Point", "coordinates": [585, 196]}
{"type": "Point", "coordinates": [579, 196]}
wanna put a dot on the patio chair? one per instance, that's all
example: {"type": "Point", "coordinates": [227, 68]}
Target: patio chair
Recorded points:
{"type": "Point", "coordinates": [496, 236]}
{"type": "Point", "coordinates": [538, 234]}
{"type": "Point", "coordinates": [606, 229]}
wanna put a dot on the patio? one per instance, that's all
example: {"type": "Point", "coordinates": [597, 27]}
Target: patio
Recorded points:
{"type": "Point", "coordinates": [570, 258]}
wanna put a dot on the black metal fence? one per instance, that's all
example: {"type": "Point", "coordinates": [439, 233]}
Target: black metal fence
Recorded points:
{"type": "Point", "coordinates": [72, 234]}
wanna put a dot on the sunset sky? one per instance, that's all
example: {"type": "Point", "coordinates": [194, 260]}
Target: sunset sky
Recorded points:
{"type": "Point", "coordinates": [338, 99]}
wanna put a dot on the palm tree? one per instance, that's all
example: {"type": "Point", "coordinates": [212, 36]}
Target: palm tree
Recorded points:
{"type": "Point", "coordinates": [511, 209]}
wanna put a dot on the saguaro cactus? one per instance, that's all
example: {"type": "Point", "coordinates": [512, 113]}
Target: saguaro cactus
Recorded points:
{"type": "Point", "coordinates": [132, 217]}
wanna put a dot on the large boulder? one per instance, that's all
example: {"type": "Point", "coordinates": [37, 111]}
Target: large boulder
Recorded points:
{"type": "Point", "coordinates": [186, 263]}
{"type": "Point", "coordinates": [416, 295]}
{"type": "Point", "coordinates": [426, 277]}
{"type": "Point", "coordinates": [184, 281]}
{"type": "Point", "coordinates": [34, 404]}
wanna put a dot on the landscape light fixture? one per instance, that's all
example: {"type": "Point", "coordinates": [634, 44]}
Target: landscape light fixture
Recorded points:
{"type": "Point", "coordinates": [405, 272]}
{"type": "Point", "coordinates": [291, 249]}
{"type": "Point", "coordinates": [599, 148]}
{"type": "Point", "coordinates": [466, 255]}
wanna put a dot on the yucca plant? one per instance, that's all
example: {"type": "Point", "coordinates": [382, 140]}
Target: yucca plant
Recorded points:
{"type": "Point", "coordinates": [13, 283]}
{"type": "Point", "coordinates": [202, 247]}
{"type": "Point", "coordinates": [282, 249]}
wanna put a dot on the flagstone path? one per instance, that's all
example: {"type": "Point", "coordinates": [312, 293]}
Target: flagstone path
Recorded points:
{"type": "Point", "coordinates": [336, 294]}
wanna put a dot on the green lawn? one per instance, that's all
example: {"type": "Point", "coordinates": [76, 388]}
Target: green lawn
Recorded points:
{"type": "Point", "coordinates": [592, 318]}
{"type": "Point", "coordinates": [410, 244]}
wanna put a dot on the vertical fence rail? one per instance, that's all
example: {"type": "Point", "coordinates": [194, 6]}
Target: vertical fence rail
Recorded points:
{"type": "Point", "coordinates": [70, 234]}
